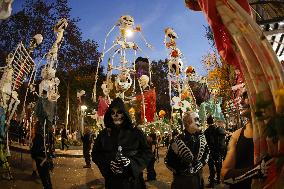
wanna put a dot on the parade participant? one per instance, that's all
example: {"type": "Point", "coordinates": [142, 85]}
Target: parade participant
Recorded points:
{"type": "Point", "coordinates": [64, 139]}
{"type": "Point", "coordinates": [187, 154]}
{"type": "Point", "coordinates": [87, 140]}
{"type": "Point", "coordinates": [238, 167]}
{"type": "Point", "coordinates": [43, 161]}
{"type": "Point", "coordinates": [152, 142]}
{"type": "Point", "coordinates": [120, 150]}
{"type": "Point", "coordinates": [215, 137]}
{"type": "Point", "coordinates": [43, 144]}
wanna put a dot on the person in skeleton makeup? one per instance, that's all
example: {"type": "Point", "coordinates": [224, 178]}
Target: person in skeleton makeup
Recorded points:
{"type": "Point", "coordinates": [238, 167]}
{"type": "Point", "coordinates": [126, 170]}
{"type": "Point", "coordinates": [187, 154]}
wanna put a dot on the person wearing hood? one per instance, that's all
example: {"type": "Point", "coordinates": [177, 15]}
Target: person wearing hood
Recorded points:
{"type": "Point", "coordinates": [120, 150]}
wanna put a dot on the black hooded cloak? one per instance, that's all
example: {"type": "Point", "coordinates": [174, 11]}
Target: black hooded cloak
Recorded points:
{"type": "Point", "coordinates": [134, 146]}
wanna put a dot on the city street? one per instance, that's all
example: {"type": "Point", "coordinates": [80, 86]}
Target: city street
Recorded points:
{"type": "Point", "coordinates": [70, 174]}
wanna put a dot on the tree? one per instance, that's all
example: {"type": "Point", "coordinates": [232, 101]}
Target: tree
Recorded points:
{"type": "Point", "coordinates": [77, 58]}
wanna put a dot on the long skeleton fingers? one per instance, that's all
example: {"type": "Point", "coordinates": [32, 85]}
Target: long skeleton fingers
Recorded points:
{"type": "Point", "coordinates": [259, 170]}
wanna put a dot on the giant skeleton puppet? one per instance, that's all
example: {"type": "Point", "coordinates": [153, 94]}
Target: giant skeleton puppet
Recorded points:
{"type": "Point", "coordinates": [20, 66]}
{"type": "Point", "coordinates": [123, 80]}
{"type": "Point", "coordinates": [43, 146]}
{"type": "Point", "coordinates": [177, 81]}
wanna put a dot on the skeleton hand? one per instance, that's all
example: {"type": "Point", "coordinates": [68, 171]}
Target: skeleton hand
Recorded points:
{"type": "Point", "coordinates": [123, 161]}
{"type": "Point", "coordinates": [263, 167]}
{"type": "Point", "coordinates": [115, 167]}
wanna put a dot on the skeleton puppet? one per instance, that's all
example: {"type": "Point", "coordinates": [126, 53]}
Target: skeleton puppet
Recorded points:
{"type": "Point", "coordinates": [175, 56]}
{"type": "Point", "coordinates": [5, 9]}
{"type": "Point", "coordinates": [120, 44]}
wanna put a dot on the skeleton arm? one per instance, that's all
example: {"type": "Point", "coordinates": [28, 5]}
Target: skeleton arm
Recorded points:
{"type": "Point", "coordinates": [234, 176]}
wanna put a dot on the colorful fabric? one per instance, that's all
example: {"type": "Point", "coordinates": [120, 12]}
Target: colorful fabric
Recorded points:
{"type": "Point", "coordinates": [241, 42]}
{"type": "Point", "coordinates": [3, 128]}
{"type": "Point", "coordinates": [222, 36]}
{"type": "Point", "coordinates": [103, 106]}
{"type": "Point", "coordinates": [150, 104]}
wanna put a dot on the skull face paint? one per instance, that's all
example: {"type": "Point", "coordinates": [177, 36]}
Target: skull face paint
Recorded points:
{"type": "Point", "coordinates": [117, 116]}
{"type": "Point", "coordinates": [191, 122]}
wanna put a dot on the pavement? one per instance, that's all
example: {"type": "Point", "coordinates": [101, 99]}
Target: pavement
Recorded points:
{"type": "Point", "coordinates": [70, 174]}
{"type": "Point", "coordinates": [72, 152]}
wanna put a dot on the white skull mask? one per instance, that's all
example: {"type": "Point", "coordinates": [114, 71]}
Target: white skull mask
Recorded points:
{"type": "Point", "coordinates": [191, 121]}
{"type": "Point", "coordinates": [107, 87]}
{"type": "Point", "coordinates": [144, 81]}
{"type": "Point", "coordinates": [123, 81]}
{"type": "Point", "coordinates": [61, 25]}
{"type": "Point", "coordinates": [171, 33]}
{"type": "Point", "coordinates": [175, 65]}
{"type": "Point", "coordinates": [117, 116]}
{"type": "Point", "coordinates": [126, 21]}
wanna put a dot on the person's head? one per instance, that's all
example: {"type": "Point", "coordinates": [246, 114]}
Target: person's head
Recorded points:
{"type": "Point", "coordinates": [245, 106]}
{"type": "Point", "coordinates": [191, 121]}
{"type": "Point", "coordinates": [210, 120]}
{"type": "Point", "coordinates": [86, 130]}
{"type": "Point", "coordinates": [117, 115]}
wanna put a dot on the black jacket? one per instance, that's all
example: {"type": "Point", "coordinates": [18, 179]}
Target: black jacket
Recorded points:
{"type": "Point", "coordinates": [134, 146]}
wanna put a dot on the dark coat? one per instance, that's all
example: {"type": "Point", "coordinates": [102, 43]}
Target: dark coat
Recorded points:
{"type": "Point", "coordinates": [134, 146]}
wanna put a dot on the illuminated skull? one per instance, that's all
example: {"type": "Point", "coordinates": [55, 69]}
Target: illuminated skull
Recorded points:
{"type": "Point", "coordinates": [126, 21]}
{"type": "Point", "coordinates": [175, 65]}
{"type": "Point", "coordinates": [61, 25]}
{"type": "Point", "coordinates": [144, 81]}
{"type": "Point", "coordinates": [123, 81]}
{"type": "Point", "coordinates": [107, 87]}
{"type": "Point", "coordinates": [117, 116]}
{"type": "Point", "coordinates": [171, 33]}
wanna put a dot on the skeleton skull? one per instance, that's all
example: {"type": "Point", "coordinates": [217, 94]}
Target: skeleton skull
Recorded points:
{"type": "Point", "coordinates": [126, 21]}
{"type": "Point", "coordinates": [123, 81]}
{"type": "Point", "coordinates": [175, 65]}
{"type": "Point", "coordinates": [117, 116]}
{"type": "Point", "coordinates": [171, 33]}
{"type": "Point", "coordinates": [191, 121]}
{"type": "Point", "coordinates": [144, 81]}
{"type": "Point", "coordinates": [107, 87]}
{"type": "Point", "coordinates": [61, 25]}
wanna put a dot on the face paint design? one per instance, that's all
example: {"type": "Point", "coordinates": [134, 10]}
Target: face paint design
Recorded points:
{"type": "Point", "coordinates": [117, 116]}
{"type": "Point", "coordinates": [191, 122]}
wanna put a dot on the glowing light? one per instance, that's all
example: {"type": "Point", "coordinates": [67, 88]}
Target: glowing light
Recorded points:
{"type": "Point", "coordinates": [129, 33]}
{"type": "Point", "coordinates": [83, 107]}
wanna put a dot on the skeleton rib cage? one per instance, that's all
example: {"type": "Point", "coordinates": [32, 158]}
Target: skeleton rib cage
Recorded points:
{"type": "Point", "coordinates": [22, 65]}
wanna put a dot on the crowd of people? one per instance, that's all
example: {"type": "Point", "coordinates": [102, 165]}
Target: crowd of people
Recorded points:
{"type": "Point", "coordinates": [122, 151]}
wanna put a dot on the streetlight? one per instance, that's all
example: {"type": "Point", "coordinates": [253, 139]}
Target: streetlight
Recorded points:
{"type": "Point", "coordinates": [83, 109]}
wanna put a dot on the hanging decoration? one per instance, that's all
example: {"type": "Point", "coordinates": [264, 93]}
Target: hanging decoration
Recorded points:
{"type": "Point", "coordinates": [242, 43]}
{"type": "Point", "coordinates": [124, 69]}
{"type": "Point", "coordinates": [179, 91]}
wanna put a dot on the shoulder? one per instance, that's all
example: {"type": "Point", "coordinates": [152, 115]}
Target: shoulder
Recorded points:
{"type": "Point", "coordinates": [235, 137]}
{"type": "Point", "coordinates": [220, 130]}
{"type": "Point", "coordinates": [104, 132]}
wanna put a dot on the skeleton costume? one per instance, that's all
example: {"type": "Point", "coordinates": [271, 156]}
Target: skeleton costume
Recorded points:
{"type": "Point", "coordinates": [186, 156]}
{"type": "Point", "coordinates": [123, 171]}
